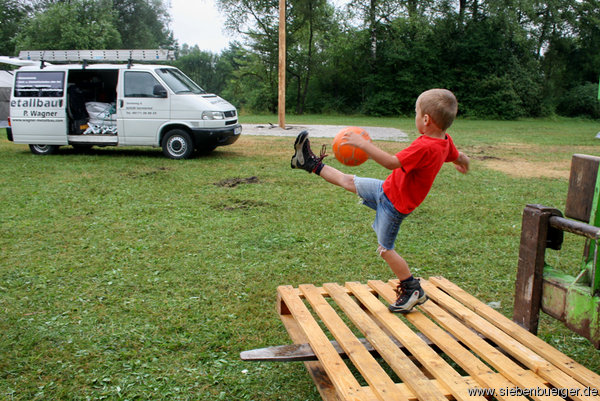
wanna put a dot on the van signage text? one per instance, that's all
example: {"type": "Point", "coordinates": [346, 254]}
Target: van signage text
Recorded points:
{"type": "Point", "coordinates": [37, 103]}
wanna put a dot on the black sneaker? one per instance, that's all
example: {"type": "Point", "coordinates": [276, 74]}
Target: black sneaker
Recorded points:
{"type": "Point", "coordinates": [410, 294]}
{"type": "Point", "coordinates": [303, 157]}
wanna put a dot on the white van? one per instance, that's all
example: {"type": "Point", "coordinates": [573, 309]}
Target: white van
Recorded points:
{"type": "Point", "coordinates": [88, 104]}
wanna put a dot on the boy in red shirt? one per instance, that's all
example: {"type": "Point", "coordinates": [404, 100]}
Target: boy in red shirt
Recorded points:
{"type": "Point", "coordinates": [413, 171]}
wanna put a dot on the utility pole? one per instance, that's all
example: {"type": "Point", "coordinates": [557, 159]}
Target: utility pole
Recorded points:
{"type": "Point", "coordinates": [282, 51]}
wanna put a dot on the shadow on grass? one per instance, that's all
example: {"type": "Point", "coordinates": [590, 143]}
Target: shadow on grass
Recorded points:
{"type": "Point", "coordinates": [150, 153]}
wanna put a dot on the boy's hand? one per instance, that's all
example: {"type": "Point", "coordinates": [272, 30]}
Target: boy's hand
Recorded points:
{"type": "Point", "coordinates": [354, 140]}
{"type": "Point", "coordinates": [379, 156]}
{"type": "Point", "coordinates": [462, 163]}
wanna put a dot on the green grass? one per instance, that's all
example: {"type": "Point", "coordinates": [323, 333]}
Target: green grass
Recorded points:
{"type": "Point", "coordinates": [125, 275]}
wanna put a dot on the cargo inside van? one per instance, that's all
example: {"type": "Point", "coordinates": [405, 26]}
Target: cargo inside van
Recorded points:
{"type": "Point", "coordinates": [91, 101]}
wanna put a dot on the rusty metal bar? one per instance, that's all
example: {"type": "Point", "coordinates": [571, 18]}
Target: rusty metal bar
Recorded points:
{"type": "Point", "coordinates": [575, 227]}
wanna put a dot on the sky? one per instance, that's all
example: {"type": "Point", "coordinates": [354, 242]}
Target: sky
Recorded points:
{"type": "Point", "coordinates": [198, 22]}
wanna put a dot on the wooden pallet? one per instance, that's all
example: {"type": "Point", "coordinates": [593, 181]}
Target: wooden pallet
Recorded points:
{"type": "Point", "coordinates": [492, 351]}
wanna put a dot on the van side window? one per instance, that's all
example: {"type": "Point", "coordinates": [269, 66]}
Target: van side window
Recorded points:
{"type": "Point", "coordinates": [139, 84]}
{"type": "Point", "coordinates": [40, 84]}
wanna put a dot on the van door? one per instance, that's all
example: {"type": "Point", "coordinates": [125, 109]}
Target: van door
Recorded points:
{"type": "Point", "coordinates": [143, 106]}
{"type": "Point", "coordinates": [38, 108]}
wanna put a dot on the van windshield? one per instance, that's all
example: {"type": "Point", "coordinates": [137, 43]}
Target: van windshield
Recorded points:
{"type": "Point", "coordinates": [178, 81]}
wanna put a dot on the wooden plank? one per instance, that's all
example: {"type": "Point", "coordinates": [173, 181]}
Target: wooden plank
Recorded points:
{"type": "Point", "coordinates": [582, 183]}
{"type": "Point", "coordinates": [320, 377]}
{"type": "Point", "coordinates": [519, 377]}
{"type": "Point", "coordinates": [346, 385]}
{"type": "Point", "coordinates": [512, 371]}
{"type": "Point", "coordinates": [532, 248]}
{"type": "Point", "coordinates": [483, 376]}
{"type": "Point", "coordinates": [296, 352]}
{"type": "Point", "coordinates": [430, 360]}
{"type": "Point", "coordinates": [301, 352]}
{"type": "Point", "coordinates": [560, 360]}
{"type": "Point", "coordinates": [380, 383]}
{"type": "Point", "coordinates": [396, 359]}
{"type": "Point", "coordinates": [314, 368]}
{"type": "Point", "coordinates": [404, 389]}
{"type": "Point", "coordinates": [321, 290]}
{"type": "Point", "coordinates": [456, 311]}
{"type": "Point", "coordinates": [523, 354]}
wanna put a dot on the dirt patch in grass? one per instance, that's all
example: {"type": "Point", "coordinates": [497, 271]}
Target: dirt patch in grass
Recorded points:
{"type": "Point", "coordinates": [244, 204]}
{"type": "Point", "coordinates": [523, 160]}
{"type": "Point", "coordinates": [530, 169]}
{"type": "Point", "coordinates": [234, 182]}
{"type": "Point", "coordinates": [146, 172]}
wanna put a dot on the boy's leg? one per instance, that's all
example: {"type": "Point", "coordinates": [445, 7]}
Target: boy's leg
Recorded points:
{"type": "Point", "coordinates": [409, 291]}
{"type": "Point", "coordinates": [409, 294]}
{"type": "Point", "coordinates": [336, 177]}
{"type": "Point", "coordinates": [305, 159]}
{"type": "Point", "coordinates": [396, 262]}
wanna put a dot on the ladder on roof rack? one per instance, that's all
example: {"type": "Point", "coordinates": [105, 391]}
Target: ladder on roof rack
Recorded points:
{"type": "Point", "coordinates": [98, 55]}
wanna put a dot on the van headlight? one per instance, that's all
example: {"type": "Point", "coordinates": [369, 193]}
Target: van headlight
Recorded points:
{"type": "Point", "coordinates": [213, 115]}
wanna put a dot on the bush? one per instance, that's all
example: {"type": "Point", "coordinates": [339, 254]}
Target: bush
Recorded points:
{"type": "Point", "coordinates": [383, 103]}
{"type": "Point", "coordinates": [580, 101]}
{"type": "Point", "coordinates": [493, 97]}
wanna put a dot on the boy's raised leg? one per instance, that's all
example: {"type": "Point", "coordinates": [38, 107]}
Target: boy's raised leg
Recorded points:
{"type": "Point", "coordinates": [303, 157]}
{"type": "Point", "coordinates": [336, 177]}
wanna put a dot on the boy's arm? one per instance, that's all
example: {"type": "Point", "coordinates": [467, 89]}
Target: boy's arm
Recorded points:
{"type": "Point", "coordinates": [462, 163]}
{"type": "Point", "coordinates": [380, 156]}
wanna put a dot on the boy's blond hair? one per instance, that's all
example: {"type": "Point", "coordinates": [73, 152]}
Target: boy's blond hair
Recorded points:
{"type": "Point", "coordinates": [441, 105]}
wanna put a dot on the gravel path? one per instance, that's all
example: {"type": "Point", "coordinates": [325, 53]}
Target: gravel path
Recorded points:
{"type": "Point", "coordinates": [322, 131]}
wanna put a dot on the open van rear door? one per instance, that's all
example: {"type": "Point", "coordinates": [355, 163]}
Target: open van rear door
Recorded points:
{"type": "Point", "coordinates": [38, 108]}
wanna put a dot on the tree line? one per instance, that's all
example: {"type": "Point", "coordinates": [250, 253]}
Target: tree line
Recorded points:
{"type": "Point", "coordinates": [504, 59]}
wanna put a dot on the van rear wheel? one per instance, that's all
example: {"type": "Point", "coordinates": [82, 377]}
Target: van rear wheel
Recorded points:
{"type": "Point", "coordinates": [43, 149]}
{"type": "Point", "coordinates": [177, 144]}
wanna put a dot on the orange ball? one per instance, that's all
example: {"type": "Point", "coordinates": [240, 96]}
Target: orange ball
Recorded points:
{"type": "Point", "coordinates": [347, 154]}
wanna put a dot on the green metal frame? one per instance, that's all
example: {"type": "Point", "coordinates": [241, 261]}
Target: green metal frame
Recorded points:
{"type": "Point", "coordinates": [590, 264]}
{"type": "Point", "coordinates": [572, 300]}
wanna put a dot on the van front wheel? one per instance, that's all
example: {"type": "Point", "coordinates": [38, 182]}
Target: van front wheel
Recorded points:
{"type": "Point", "coordinates": [43, 149]}
{"type": "Point", "coordinates": [177, 144]}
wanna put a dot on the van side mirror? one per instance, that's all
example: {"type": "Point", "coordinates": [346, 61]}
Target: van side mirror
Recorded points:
{"type": "Point", "coordinates": [159, 91]}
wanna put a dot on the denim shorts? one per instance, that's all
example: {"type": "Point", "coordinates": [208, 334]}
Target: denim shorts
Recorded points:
{"type": "Point", "coordinates": [387, 218]}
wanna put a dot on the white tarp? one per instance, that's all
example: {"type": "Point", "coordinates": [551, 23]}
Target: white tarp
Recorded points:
{"type": "Point", "coordinates": [103, 118]}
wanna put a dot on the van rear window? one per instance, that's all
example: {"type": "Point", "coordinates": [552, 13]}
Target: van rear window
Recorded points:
{"type": "Point", "coordinates": [40, 84]}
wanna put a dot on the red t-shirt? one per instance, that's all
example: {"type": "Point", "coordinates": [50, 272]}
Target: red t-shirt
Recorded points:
{"type": "Point", "coordinates": [408, 185]}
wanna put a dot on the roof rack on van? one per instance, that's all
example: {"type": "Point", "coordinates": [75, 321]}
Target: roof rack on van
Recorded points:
{"type": "Point", "coordinates": [98, 55]}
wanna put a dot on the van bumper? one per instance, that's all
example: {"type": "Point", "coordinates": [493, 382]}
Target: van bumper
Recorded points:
{"type": "Point", "coordinates": [213, 137]}
{"type": "Point", "coordinates": [9, 133]}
